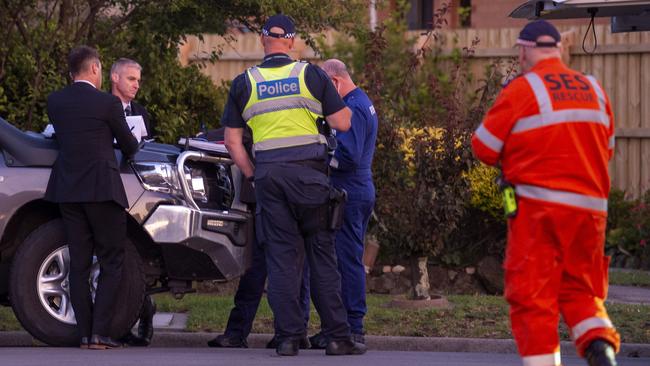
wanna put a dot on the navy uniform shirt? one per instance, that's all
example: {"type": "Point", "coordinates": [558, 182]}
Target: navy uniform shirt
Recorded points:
{"type": "Point", "coordinates": [356, 148]}
{"type": "Point", "coordinates": [319, 85]}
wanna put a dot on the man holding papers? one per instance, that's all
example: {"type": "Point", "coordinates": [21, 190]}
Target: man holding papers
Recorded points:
{"type": "Point", "coordinates": [125, 83]}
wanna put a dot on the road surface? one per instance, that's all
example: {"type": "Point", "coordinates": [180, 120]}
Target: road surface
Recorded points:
{"type": "Point", "coordinates": [45, 356]}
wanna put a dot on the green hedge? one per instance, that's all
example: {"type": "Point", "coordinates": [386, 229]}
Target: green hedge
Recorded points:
{"type": "Point", "coordinates": [628, 230]}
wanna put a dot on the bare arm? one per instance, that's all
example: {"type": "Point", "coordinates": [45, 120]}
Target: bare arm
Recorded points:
{"type": "Point", "coordinates": [234, 143]}
{"type": "Point", "coordinates": [340, 120]}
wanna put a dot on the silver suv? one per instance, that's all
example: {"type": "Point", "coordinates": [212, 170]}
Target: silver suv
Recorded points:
{"type": "Point", "coordinates": [186, 223]}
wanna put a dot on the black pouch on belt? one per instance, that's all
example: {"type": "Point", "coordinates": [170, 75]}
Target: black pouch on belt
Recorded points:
{"type": "Point", "coordinates": [338, 198]}
{"type": "Point", "coordinates": [325, 130]}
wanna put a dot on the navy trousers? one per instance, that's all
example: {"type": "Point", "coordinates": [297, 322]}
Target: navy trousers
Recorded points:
{"type": "Point", "coordinates": [349, 252]}
{"type": "Point", "coordinates": [249, 294]}
{"type": "Point", "coordinates": [292, 224]}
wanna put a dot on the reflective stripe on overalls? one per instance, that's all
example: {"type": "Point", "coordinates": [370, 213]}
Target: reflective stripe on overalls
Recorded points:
{"type": "Point", "coordinates": [551, 359]}
{"type": "Point", "coordinates": [548, 117]}
{"type": "Point", "coordinates": [281, 111]}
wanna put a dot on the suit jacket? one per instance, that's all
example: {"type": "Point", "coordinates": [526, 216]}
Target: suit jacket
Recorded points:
{"type": "Point", "coordinates": [86, 120]}
{"type": "Point", "coordinates": [139, 110]}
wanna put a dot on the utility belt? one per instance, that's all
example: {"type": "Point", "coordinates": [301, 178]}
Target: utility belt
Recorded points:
{"type": "Point", "coordinates": [319, 165]}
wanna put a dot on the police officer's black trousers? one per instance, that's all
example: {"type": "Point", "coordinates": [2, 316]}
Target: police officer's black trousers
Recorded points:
{"type": "Point", "coordinates": [292, 223]}
{"type": "Point", "coordinates": [249, 294]}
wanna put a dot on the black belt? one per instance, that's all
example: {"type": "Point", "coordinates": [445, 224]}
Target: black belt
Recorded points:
{"type": "Point", "coordinates": [319, 165]}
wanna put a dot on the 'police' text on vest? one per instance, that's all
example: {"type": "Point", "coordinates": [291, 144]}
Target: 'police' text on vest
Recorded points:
{"type": "Point", "coordinates": [278, 88]}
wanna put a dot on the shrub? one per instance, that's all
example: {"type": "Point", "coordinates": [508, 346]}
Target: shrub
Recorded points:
{"type": "Point", "coordinates": [485, 194]}
{"type": "Point", "coordinates": [428, 109]}
{"type": "Point", "coordinates": [628, 234]}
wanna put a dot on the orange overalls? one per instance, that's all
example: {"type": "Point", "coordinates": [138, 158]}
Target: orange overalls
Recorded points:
{"type": "Point", "coordinates": [552, 129]}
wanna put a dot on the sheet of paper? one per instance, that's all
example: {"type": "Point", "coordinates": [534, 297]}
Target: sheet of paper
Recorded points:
{"type": "Point", "coordinates": [137, 126]}
{"type": "Point", "coordinates": [48, 131]}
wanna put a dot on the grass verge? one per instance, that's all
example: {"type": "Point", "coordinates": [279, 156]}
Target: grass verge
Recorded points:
{"type": "Point", "coordinates": [471, 316]}
{"type": "Point", "coordinates": [629, 278]}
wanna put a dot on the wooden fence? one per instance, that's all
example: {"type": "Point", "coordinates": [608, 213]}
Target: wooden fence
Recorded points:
{"type": "Point", "coordinates": [621, 63]}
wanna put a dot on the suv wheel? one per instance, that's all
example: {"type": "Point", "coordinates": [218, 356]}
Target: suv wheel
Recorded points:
{"type": "Point", "coordinates": [40, 294]}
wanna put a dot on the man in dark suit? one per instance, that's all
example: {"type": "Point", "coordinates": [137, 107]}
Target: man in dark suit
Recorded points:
{"type": "Point", "coordinates": [125, 83]}
{"type": "Point", "coordinates": [85, 181]}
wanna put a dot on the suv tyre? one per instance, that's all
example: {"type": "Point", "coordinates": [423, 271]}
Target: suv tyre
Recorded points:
{"type": "Point", "coordinates": [39, 292]}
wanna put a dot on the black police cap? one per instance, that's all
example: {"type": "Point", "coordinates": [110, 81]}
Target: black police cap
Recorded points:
{"type": "Point", "coordinates": [280, 21]}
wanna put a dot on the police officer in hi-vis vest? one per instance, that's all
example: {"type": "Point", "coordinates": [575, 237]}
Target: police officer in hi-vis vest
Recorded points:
{"type": "Point", "coordinates": [281, 100]}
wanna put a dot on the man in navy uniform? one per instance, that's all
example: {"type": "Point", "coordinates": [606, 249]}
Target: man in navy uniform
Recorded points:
{"type": "Point", "coordinates": [351, 171]}
{"type": "Point", "coordinates": [281, 100]}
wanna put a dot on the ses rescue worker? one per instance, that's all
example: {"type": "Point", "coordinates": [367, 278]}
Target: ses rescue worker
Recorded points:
{"type": "Point", "coordinates": [552, 130]}
{"type": "Point", "coordinates": [280, 100]}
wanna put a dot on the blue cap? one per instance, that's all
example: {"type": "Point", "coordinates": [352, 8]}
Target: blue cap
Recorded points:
{"type": "Point", "coordinates": [280, 21]}
{"type": "Point", "coordinates": [535, 29]}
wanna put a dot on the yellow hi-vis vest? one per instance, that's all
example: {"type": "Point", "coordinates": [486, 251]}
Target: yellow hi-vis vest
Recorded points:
{"type": "Point", "coordinates": [281, 111]}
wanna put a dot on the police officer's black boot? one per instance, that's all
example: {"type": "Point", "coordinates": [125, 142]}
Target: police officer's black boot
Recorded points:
{"type": "Point", "coordinates": [288, 347]}
{"type": "Point", "coordinates": [600, 353]}
{"type": "Point", "coordinates": [226, 341]}
{"type": "Point", "coordinates": [273, 343]}
{"type": "Point", "coordinates": [318, 341]}
{"type": "Point", "coordinates": [345, 347]}
{"type": "Point", "coordinates": [145, 328]}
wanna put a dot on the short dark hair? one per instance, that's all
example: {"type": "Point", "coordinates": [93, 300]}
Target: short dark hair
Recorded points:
{"type": "Point", "coordinates": [80, 58]}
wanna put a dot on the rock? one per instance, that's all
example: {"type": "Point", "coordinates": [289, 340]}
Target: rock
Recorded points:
{"type": "Point", "coordinates": [491, 275]}
{"type": "Point", "coordinates": [407, 272]}
{"type": "Point", "coordinates": [376, 270]}
{"type": "Point", "coordinates": [438, 279]}
{"type": "Point", "coordinates": [386, 269]}
{"type": "Point", "coordinates": [470, 270]}
{"type": "Point", "coordinates": [402, 286]}
{"type": "Point", "coordinates": [465, 284]}
{"type": "Point", "coordinates": [385, 283]}
{"type": "Point", "coordinates": [398, 269]}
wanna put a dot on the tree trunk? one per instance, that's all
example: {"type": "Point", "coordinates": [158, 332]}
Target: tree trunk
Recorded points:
{"type": "Point", "coordinates": [419, 279]}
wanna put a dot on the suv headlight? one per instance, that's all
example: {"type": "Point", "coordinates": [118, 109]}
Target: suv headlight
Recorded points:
{"type": "Point", "coordinates": [163, 177]}
{"type": "Point", "coordinates": [158, 177]}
